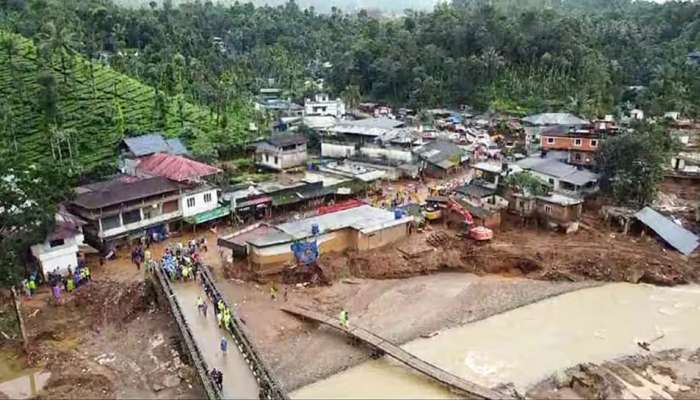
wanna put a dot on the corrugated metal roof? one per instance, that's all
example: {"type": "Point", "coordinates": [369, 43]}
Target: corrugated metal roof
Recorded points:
{"type": "Point", "coordinates": [154, 143]}
{"type": "Point", "coordinates": [441, 153]}
{"type": "Point", "coordinates": [675, 235]}
{"type": "Point", "coordinates": [117, 191]}
{"type": "Point", "coordinates": [361, 218]}
{"type": "Point", "coordinates": [555, 119]}
{"type": "Point", "coordinates": [557, 169]}
{"type": "Point", "coordinates": [176, 168]}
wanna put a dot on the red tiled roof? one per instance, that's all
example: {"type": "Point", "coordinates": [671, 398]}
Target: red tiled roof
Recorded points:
{"type": "Point", "coordinates": [176, 168]}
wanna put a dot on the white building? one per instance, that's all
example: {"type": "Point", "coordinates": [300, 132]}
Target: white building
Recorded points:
{"type": "Point", "coordinates": [322, 105]}
{"type": "Point", "coordinates": [60, 249]}
{"type": "Point", "coordinates": [199, 200]}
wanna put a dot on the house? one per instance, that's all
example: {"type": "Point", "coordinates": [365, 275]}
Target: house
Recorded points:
{"type": "Point", "coordinates": [562, 177]}
{"type": "Point", "coordinates": [441, 158]}
{"type": "Point", "coordinates": [686, 163]}
{"type": "Point", "coordinates": [280, 152]}
{"type": "Point", "coordinates": [580, 143]}
{"type": "Point", "coordinates": [637, 114]}
{"type": "Point", "coordinates": [321, 105]}
{"type": "Point", "coordinates": [361, 228]}
{"type": "Point", "coordinates": [554, 210]}
{"type": "Point", "coordinates": [548, 119]}
{"type": "Point", "coordinates": [478, 194]}
{"type": "Point", "coordinates": [200, 199]}
{"type": "Point", "coordinates": [490, 174]}
{"type": "Point", "coordinates": [379, 140]}
{"type": "Point", "coordinates": [133, 148]}
{"type": "Point", "coordinates": [560, 211]}
{"type": "Point", "coordinates": [60, 249]}
{"type": "Point", "coordinates": [126, 207]}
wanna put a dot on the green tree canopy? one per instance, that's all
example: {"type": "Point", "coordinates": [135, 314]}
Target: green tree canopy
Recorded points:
{"type": "Point", "coordinates": [632, 165]}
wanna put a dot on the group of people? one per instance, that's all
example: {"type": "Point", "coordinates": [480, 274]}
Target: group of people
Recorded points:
{"type": "Point", "coordinates": [182, 262]}
{"type": "Point", "coordinates": [58, 282]}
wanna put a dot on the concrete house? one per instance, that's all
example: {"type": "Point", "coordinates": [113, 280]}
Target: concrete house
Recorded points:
{"type": "Point", "coordinates": [441, 158]}
{"type": "Point", "coordinates": [60, 249]}
{"type": "Point", "coordinates": [553, 210]}
{"type": "Point", "coordinates": [268, 248]}
{"type": "Point", "coordinates": [126, 207]}
{"type": "Point", "coordinates": [200, 199]}
{"type": "Point", "coordinates": [281, 152]}
{"type": "Point", "coordinates": [322, 105]}
{"type": "Point", "coordinates": [563, 178]}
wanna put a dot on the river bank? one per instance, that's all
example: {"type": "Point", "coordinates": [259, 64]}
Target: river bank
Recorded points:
{"type": "Point", "coordinates": [399, 310]}
{"type": "Point", "coordinates": [527, 345]}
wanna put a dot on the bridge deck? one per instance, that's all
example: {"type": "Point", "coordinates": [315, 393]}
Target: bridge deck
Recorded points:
{"type": "Point", "coordinates": [239, 381]}
{"type": "Point", "coordinates": [440, 375]}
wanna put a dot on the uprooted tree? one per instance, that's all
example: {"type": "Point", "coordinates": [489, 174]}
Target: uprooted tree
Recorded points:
{"type": "Point", "coordinates": [526, 183]}
{"type": "Point", "coordinates": [28, 200]}
{"type": "Point", "coordinates": [631, 165]}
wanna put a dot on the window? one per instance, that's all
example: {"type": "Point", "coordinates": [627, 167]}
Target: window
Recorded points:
{"type": "Point", "coordinates": [276, 160]}
{"type": "Point", "coordinates": [190, 202]}
{"type": "Point", "coordinates": [111, 222]}
{"type": "Point", "coordinates": [577, 156]}
{"type": "Point", "coordinates": [594, 143]}
{"type": "Point", "coordinates": [56, 243]}
{"type": "Point", "coordinates": [207, 197]}
{"type": "Point", "coordinates": [147, 214]}
{"type": "Point", "coordinates": [548, 210]}
{"type": "Point", "coordinates": [551, 181]}
{"type": "Point", "coordinates": [577, 142]}
{"type": "Point", "coordinates": [129, 217]}
{"type": "Point", "coordinates": [170, 206]}
{"type": "Point", "coordinates": [550, 140]}
{"type": "Point", "coordinates": [267, 158]}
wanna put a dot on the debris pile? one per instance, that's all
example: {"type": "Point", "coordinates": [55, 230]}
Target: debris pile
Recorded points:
{"type": "Point", "coordinates": [116, 301]}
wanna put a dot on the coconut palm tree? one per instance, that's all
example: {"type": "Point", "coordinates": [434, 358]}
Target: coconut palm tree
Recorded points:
{"type": "Point", "coordinates": [61, 41]}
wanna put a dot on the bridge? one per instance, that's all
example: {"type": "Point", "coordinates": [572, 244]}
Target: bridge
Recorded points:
{"type": "Point", "coordinates": [386, 347]}
{"type": "Point", "coordinates": [245, 375]}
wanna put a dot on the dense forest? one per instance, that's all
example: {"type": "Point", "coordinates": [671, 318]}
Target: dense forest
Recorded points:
{"type": "Point", "coordinates": [591, 57]}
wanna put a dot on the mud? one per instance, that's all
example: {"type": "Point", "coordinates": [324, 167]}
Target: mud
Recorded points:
{"type": "Point", "coordinates": [107, 341]}
{"type": "Point", "coordinates": [671, 374]}
{"type": "Point", "coordinates": [590, 254]}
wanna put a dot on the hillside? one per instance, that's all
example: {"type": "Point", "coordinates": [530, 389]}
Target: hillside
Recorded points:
{"type": "Point", "coordinates": [93, 107]}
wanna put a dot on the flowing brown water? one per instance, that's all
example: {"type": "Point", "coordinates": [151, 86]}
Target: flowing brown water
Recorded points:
{"type": "Point", "coordinates": [526, 345]}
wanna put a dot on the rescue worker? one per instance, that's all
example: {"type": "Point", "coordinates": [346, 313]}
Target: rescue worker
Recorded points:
{"type": "Point", "coordinates": [88, 277]}
{"type": "Point", "coordinates": [223, 345]}
{"type": "Point", "coordinates": [226, 318]}
{"type": "Point", "coordinates": [32, 286]}
{"type": "Point", "coordinates": [221, 305]}
{"type": "Point", "coordinates": [273, 292]}
{"type": "Point", "coordinates": [70, 284]}
{"type": "Point", "coordinates": [344, 319]}
{"type": "Point", "coordinates": [25, 286]}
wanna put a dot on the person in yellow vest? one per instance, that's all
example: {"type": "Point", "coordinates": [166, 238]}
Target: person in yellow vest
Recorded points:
{"type": "Point", "coordinates": [87, 273]}
{"type": "Point", "coordinates": [227, 318]}
{"type": "Point", "coordinates": [70, 284]}
{"type": "Point", "coordinates": [344, 317]}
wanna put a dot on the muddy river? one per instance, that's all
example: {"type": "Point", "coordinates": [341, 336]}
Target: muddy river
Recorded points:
{"type": "Point", "coordinates": [528, 344]}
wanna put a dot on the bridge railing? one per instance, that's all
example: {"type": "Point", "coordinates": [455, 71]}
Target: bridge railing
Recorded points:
{"type": "Point", "coordinates": [195, 355]}
{"type": "Point", "coordinates": [270, 388]}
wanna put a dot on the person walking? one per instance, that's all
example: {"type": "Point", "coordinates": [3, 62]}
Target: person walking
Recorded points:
{"type": "Point", "coordinates": [273, 292]}
{"type": "Point", "coordinates": [344, 317]}
{"type": "Point", "coordinates": [286, 294]}
{"type": "Point", "coordinates": [200, 303]}
{"type": "Point", "coordinates": [204, 309]}
{"type": "Point", "coordinates": [223, 345]}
